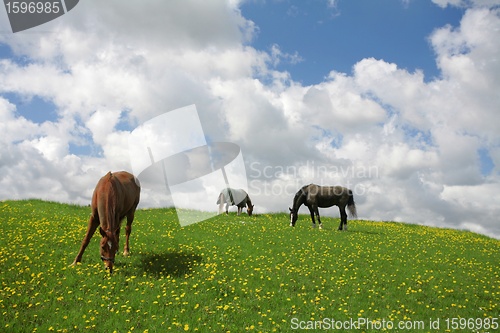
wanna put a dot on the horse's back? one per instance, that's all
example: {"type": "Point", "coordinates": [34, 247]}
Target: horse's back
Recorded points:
{"type": "Point", "coordinates": [128, 181]}
{"type": "Point", "coordinates": [327, 196]}
{"type": "Point", "coordinates": [120, 189]}
{"type": "Point", "coordinates": [234, 196]}
{"type": "Point", "coordinates": [130, 188]}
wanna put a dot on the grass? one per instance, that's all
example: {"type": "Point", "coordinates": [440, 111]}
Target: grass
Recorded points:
{"type": "Point", "coordinates": [240, 273]}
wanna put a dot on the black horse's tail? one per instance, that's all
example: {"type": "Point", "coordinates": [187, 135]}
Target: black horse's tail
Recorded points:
{"type": "Point", "coordinates": [351, 206]}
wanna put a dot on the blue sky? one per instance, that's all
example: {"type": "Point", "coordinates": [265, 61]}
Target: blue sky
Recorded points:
{"type": "Point", "coordinates": [396, 99]}
{"type": "Point", "coordinates": [336, 37]}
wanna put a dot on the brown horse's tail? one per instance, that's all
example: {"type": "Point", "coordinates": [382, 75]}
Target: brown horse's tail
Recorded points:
{"type": "Point", "coordinates": [107, 205]}
{"type": "Point", "coordinates": [351, 206]}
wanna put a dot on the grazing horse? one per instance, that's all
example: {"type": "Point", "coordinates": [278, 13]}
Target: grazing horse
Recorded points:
{"type": "Point", "coordinates": [315, 196]}
{"type": "Point", "coordinates": [235, 197]}
{"type": "Point", "coordinates": [115, 196]}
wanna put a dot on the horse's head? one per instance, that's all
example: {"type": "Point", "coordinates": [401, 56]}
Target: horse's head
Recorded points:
{"type": "Point", "coordinates": [293, 217]}
{"type": "Point", "coordinates": [108, 248]}
{"type": "Point", "coordinates": [250, 210]}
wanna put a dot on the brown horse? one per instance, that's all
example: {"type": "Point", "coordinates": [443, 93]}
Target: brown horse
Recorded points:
{"type": "Point", "coordinates": [116, 195]}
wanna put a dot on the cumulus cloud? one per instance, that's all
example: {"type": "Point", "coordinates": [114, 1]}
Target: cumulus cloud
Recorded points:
{"type": "Point", "coordinates": [408, 148]}
{"type": "Point", "coordinates": [467, 3]}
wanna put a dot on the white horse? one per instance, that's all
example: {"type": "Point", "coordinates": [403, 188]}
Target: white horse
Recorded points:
{"type": "Point", "coordinates": [235, 197]}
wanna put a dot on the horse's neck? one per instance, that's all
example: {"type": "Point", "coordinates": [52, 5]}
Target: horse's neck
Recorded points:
{"type": "Point", "coordinates": [248, 201]}
{"type": "Point", "coordinates": [298, 200]}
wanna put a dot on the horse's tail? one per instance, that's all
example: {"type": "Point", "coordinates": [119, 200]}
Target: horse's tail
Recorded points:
{"type": "Point", "coordinates": [220, 199]}
{"type": "Point", "coordinates": [107, 206]}
{"type": "Point", "coordinates": [351, 206]}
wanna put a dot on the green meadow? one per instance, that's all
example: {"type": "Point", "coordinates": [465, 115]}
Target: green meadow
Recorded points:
{"type": "Point", "coordinates": [243, 274]}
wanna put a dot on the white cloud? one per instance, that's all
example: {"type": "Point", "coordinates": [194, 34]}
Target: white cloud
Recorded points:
{"type": "Point", "coordinates": [409, 148]}
{"type": "Point", "coordinates": [14, 128]}
{"type": "Point", "coordinates": [102, 123]}
{"type": "Point", "coordinates": [277, 56]}
{"type": "Point", "coordinates": [467, 3]}
{"type": "Point", "coordinates": [467, 57]}
{"type": "Point", "coordinates": [399, 161]}
{"type": "Point", "coordinates": [51, 147]}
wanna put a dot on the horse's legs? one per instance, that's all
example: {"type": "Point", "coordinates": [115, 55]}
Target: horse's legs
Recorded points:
{"type": "Point", "coordinates": [117, 234]}
{"type": "Point", "coordinates": [91, 228]}
{"type": "Point", "coordinates": [319, 220]}
{"type": "Point", "coordinates": [343, 219]}
{"type": "Point", "coordinates": [227, 209]}
{"type": "Point", "coordinates": [239, 210]}
{"type": "Point", "coordinates": [312, 211]}
{"type": "Point", "coordinates": [128, 230]}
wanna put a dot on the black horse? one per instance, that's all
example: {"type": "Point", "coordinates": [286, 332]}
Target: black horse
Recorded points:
{"type": "Point", "coordinates": [315, 196]}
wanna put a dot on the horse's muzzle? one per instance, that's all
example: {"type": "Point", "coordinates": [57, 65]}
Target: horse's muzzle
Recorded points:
{"type": "Point", "coordinates": [109, 263]}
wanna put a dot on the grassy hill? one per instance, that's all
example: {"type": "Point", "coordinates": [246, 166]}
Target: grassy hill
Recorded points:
{"type": "Point", "coordinates": [240, 273]}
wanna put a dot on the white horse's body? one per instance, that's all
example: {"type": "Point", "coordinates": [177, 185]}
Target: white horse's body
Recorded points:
{"type": "Point", "coordinates": [234, 197]}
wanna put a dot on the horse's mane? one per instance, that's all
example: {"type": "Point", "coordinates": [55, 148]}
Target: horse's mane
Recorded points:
{"type": "Point", "coordinates": [248, 200]}
{"type": "Point", "coordinates": [299, 198]}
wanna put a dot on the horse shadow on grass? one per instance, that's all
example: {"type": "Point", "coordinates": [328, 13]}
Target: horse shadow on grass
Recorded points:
{"type": "Point", "coordinates": [175, 264]}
